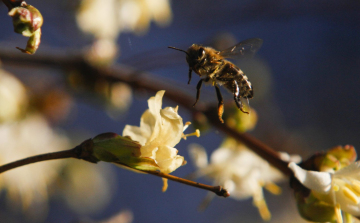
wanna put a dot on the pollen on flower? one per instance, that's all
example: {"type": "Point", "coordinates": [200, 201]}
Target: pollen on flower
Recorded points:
{"type": "Point", "coordinates": [272, 188]}
{"type": "Point", "coordinates": [263, 209]}
{"type": "Point", "coordinates": [355, 184]}
{"type": "Point", "coordinates": [196, 133]}
{"type": "Point", "coordinates": [338, 213]}
{"type": "Point", "coordinates": [165, 184]}
{"type": "Point", "coordinates": [350, 194]}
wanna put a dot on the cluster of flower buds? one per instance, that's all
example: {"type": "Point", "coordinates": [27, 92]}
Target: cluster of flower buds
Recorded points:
{"type": "Point", "coordinates": [27, 20]}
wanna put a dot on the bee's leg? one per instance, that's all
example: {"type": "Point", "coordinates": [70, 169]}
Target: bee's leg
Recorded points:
{"type": "Point", "coordinates": [190, 70]}
{"type": "Point", "coordinates": [221, 103]}
{"type": "Point", "coordinates": [237, 99]}
{"type": "Point", "coordinates": [198, 88]}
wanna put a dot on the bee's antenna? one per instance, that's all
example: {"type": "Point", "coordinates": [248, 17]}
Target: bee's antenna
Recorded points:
{"type": "Point", "coordinates": [171, 47]}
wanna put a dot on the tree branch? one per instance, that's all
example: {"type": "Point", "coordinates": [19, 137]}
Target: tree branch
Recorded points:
{"type": "Point", "coordinates": [12, 3]}
{"type": "Point", "coordinates": [43, 157]}
{"type": "Point", "coordinates": [143, 80]}
{"type": "Point", "coordinates": [218, 190]}
{"type": "Point", "coordinates": [83, 151]}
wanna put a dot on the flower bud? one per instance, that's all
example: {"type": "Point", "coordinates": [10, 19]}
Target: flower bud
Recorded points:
{"type": "Point", "coordinates": [327, 184]}
{"type": "Point", "coordinates": [111, 147]}
{"type": "Point", "coordinates": [338, 157]}
{"type": "Point", "coordinates": [312, 209]}
{"type": "Point", "coordinates": [26, 19]}
{"type": "Point", "coordinates": [33, 43]}
{"type": "Point", "coordinates": [239, 120]}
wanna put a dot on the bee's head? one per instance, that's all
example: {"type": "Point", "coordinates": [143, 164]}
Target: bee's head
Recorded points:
{"type": "Point", "coordinates": [195, 54]}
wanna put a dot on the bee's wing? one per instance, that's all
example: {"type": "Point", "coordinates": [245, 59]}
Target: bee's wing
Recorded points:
{"type": "Point", "coordinates": [243, 49]}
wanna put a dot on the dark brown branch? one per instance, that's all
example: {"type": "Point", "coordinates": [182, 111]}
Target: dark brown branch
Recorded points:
{"type": "Point", "coordinates": [43, 157]}
{"type": "Point", "coordinates": [142, 80]}
{"type": "Point", "coordinates": [12, 3]}
{"type": "Point", "coordinates": [82, 151]}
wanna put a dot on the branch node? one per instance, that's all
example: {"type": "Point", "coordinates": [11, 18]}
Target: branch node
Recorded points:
{"type": "Point", "coordinates": [85, 151]}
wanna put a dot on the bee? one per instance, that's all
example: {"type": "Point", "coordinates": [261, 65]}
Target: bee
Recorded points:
{"type": "Point", "coordinates": [213, 68]}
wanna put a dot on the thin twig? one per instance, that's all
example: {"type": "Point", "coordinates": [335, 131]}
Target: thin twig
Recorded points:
{"type": "Point", "coordinates": [43, 157]}
{"type": "Point", "coordinates": [12, 3]}
{"type": "Point", "coordinates": [82, 152]}
{"type": "Point", "coordinates": [143, 80]}
{"type": "Point", "coordinates": [218, 190]}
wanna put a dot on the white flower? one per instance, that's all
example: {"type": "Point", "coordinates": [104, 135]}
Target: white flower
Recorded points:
{"type": "Point", "coordinates": [135, 15]}
{"type": "Point", "coordinates": [118, 15]}
{"type": "Point", "coordinates": [13, 99]}
{"type": "Point", "coordinates": [90, 192]}
{"type": "Point", "coordinates": [160, 130]}
{"type": "Point", "coordinates": [106, 19]}
{"type": "Point", "coordinates": [240, 171]}
{"type": "Point", "coordinates": [340, 188]}
{"type": "Point", "coordinates": [28, 185]}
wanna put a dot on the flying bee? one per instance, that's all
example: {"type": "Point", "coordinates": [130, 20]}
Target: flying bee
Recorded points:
{"type": "Point", "coordinates": [213, 68]}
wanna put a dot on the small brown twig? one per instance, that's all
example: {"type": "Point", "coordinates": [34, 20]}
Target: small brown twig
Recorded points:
{"type": "Point", "coordinates": [218, 190]}
{"type": "Point", "coordinates": [43, 157]}
{"type": "Point", "coordinates": [10, 4]}
{"type": "Point", "coordinates": [81, 152]}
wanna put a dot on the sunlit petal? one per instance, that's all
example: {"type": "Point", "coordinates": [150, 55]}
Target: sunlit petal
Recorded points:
{"type": "Point", "coordinates": [314, 180]}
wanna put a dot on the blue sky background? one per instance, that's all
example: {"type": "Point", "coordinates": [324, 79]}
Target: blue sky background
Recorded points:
{"type": "Point", "coordinates": [308, 100]}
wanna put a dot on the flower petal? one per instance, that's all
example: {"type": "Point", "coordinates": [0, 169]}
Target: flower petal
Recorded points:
{"type": "Point", "coordinates": [353, 170]}
{"type": "Point", "coordinates": [221, 155]}
{"type": "Point", "coordinates": [313, 180]}
{"type": "Point", "coordinates": [198, 155]}
{"type": "Point", "coordinates": [167, 159]}
{"type": "Point", "coordinates": [170, 113]}
{"type": "Point", "coordinates": [135, 133]}
{"type": "Point", "coordinates": [171, 127]}
{"type": "Point", "coordinates": [147, 124]}
{"type": "Point", "coordinates": [155, 103]}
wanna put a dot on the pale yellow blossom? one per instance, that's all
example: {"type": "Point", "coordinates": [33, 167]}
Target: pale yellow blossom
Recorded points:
{"type": "Point", "coordinates": [87, 187]}
{"type": "Point", "coordinates": [240, 171]}
{"type": "Point", "coordinates": [159, 132]}
{"type": "Point", "coordinates": [340, 189]}
{"type": "Point", "coordinates": [13, 99]}
{"type": "Point", "coordinates": [106, 19]}
{"type": "Point", "coordinates": [31, 136]}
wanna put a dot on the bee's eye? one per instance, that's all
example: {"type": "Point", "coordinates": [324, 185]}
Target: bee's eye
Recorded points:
{"type": "Point", "coordinates": [201, 52]}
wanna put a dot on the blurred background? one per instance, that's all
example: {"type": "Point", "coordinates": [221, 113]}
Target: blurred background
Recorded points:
{"type": "Point", "coordinates": [305, 78]}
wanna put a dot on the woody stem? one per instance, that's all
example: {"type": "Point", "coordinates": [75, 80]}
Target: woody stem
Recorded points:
{"type": "Point", "coordinates": [12, 3]}
{"type": "Point", "coordinates": [218, 190]}
{"type": "Point", "coordinates": [142, 80]}
{"type": "Point", "coordinates": [78, 153]}
{"type": "Point", "coordinates": [38, 158]}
